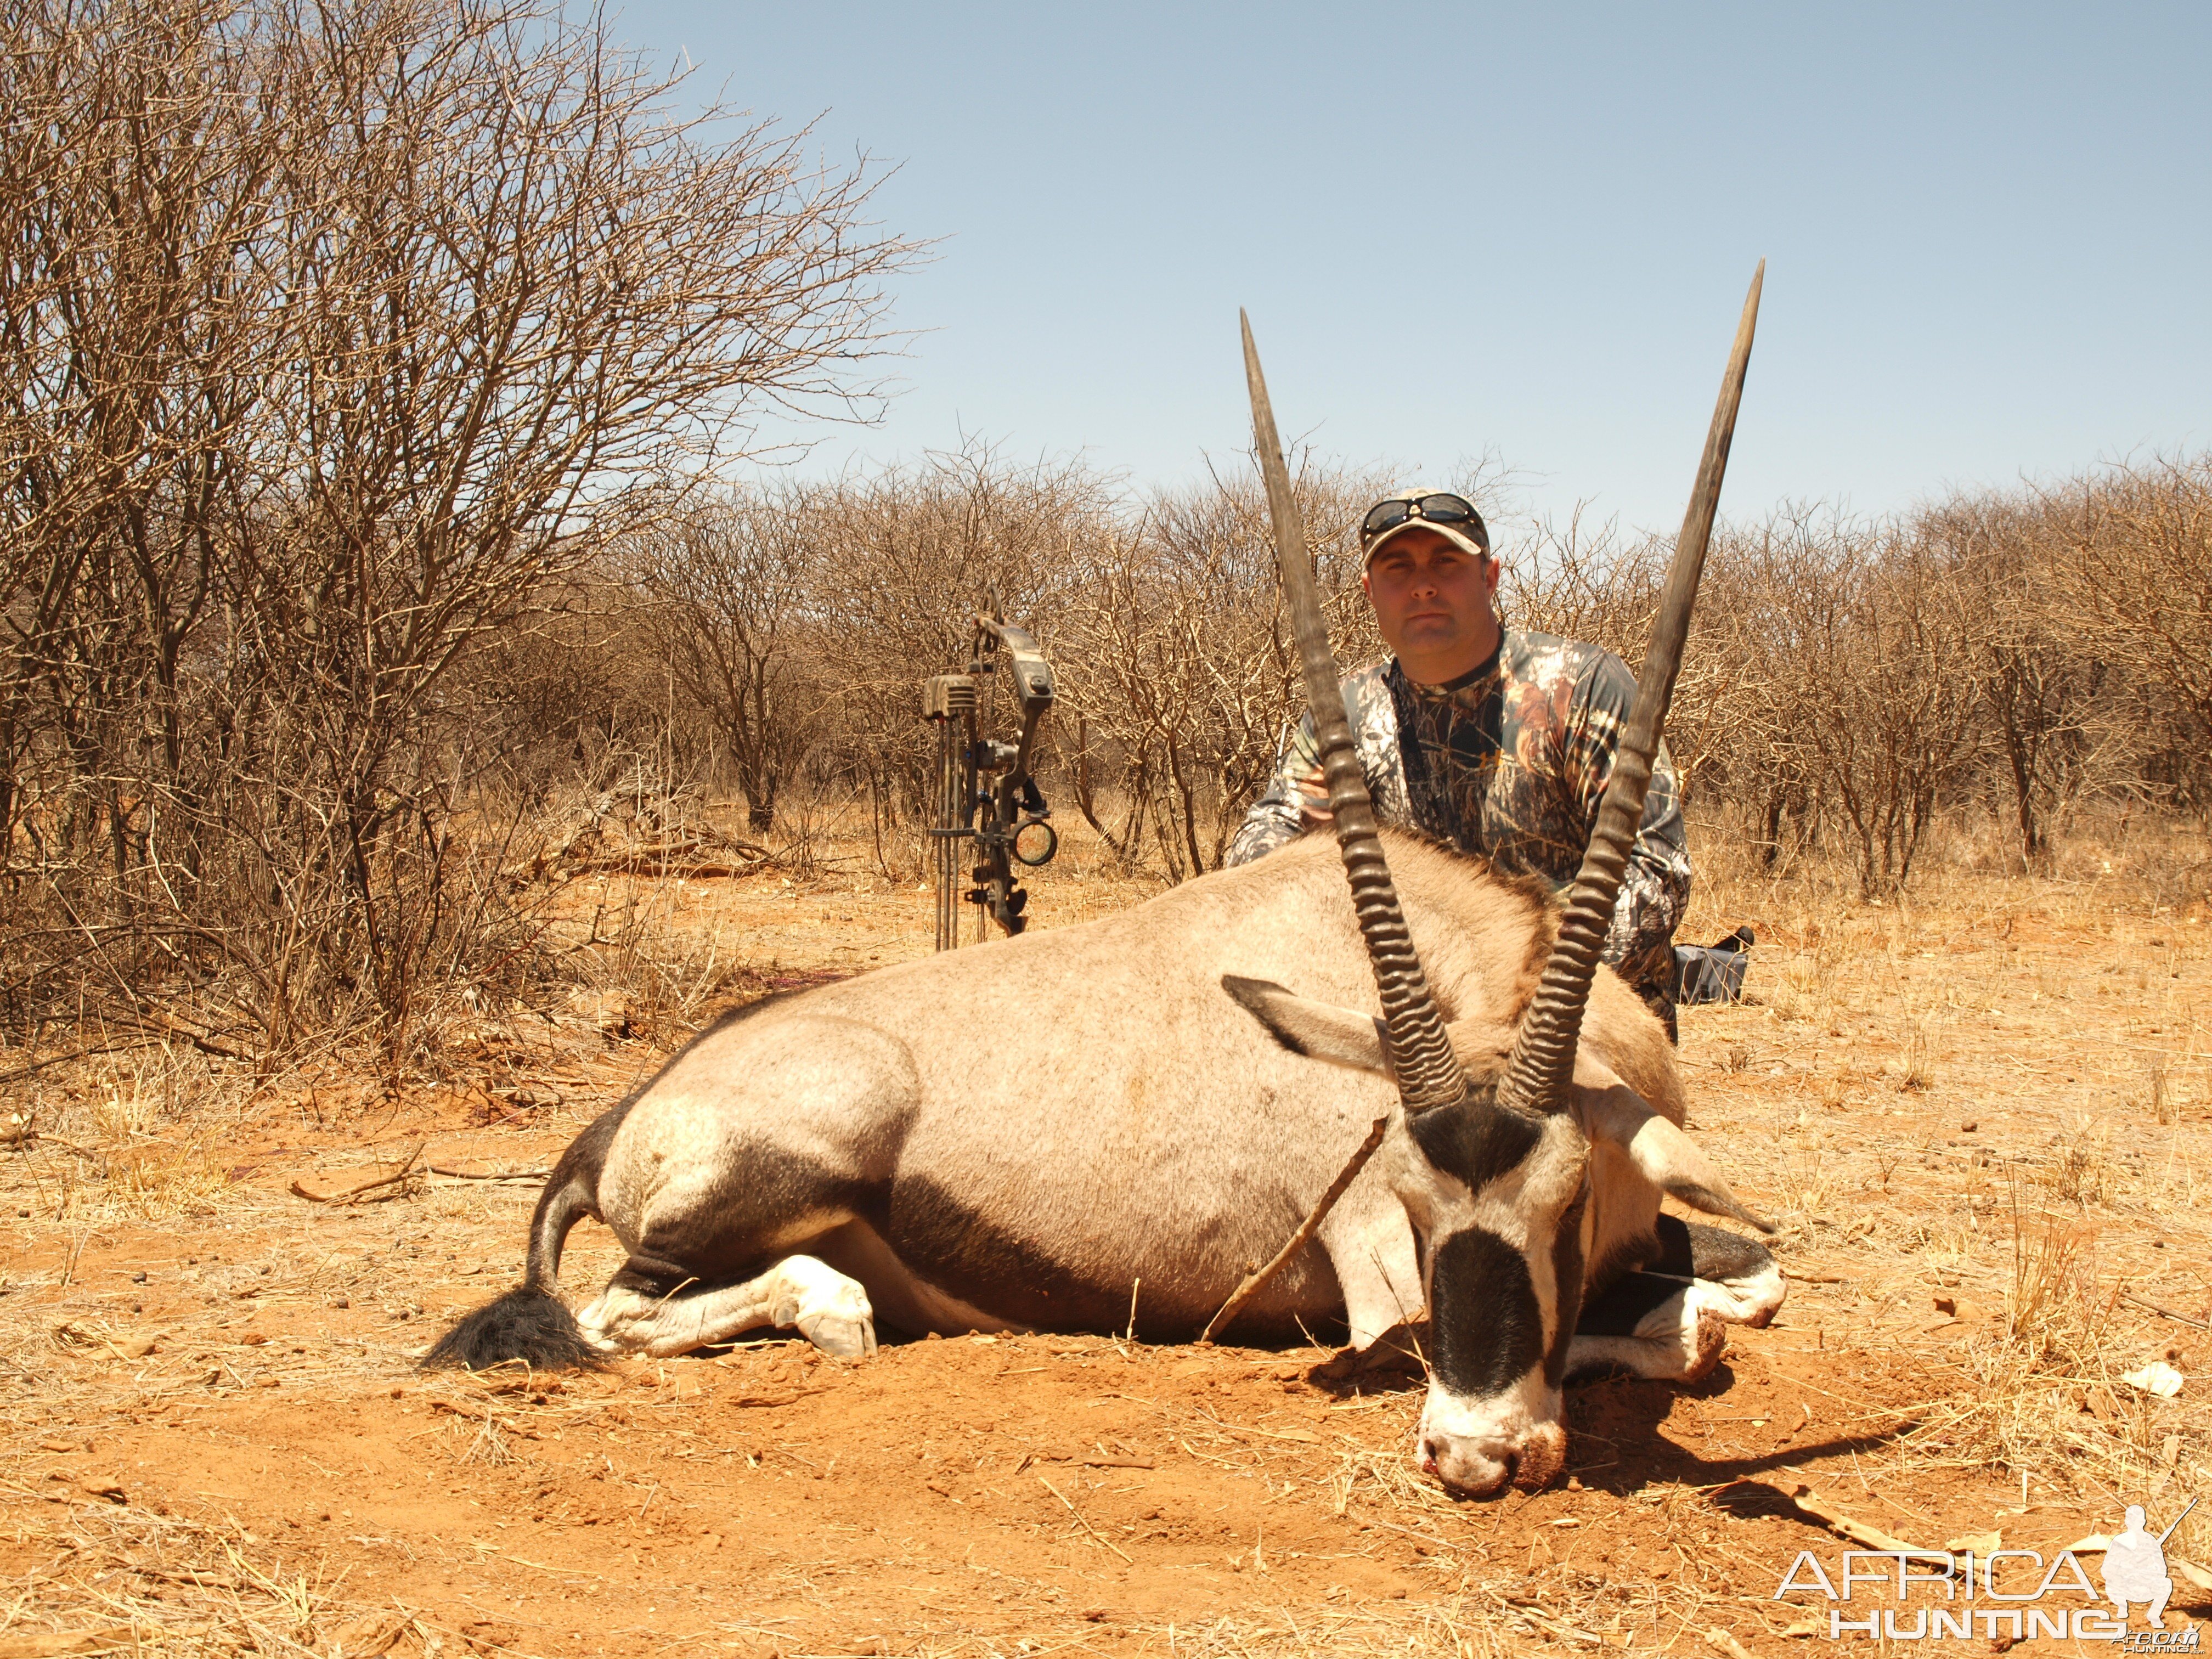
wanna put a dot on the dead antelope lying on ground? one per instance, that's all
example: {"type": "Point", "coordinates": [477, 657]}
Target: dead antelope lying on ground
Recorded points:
{"type": "Point", "coordinates": [1165, 1096]}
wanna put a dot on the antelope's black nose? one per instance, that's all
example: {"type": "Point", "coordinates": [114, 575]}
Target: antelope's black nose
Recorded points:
{"type": "Point", "coordinates": [1465, 1475]}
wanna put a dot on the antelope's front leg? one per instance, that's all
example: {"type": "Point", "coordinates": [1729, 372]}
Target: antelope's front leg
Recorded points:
{"type": "Point", "coordinates": [1652, 1326]}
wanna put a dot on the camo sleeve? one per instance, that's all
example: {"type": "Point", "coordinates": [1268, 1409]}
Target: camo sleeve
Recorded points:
{"type": "Point", "coordinates": [1277, 817]}
{"type": "Point", "coordinates": [1655, 890]}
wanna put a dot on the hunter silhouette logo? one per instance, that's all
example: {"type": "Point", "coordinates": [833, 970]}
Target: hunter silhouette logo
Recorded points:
{"type": "Point", "coordinates": [1963, 1593]}
{"type": "Point", "coordinates": [2134, 1566]}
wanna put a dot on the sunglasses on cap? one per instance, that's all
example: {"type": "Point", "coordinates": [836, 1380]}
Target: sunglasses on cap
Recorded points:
{"type": "Point", "coordinates": [1385, 516]}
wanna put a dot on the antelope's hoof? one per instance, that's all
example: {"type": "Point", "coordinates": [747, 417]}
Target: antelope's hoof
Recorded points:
{"type": "Point", "coordinates": [1706, 1346]}
{"type": "Point", "coordinates": [841, 1339]}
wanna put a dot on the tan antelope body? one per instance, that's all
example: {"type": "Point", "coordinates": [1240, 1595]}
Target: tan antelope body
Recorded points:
{"type": "Point", "coordinates": [1030, 1127]}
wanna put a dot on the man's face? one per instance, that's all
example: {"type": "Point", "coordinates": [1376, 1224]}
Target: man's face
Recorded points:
{"type": "Point", "coordinates": [1432, 603]}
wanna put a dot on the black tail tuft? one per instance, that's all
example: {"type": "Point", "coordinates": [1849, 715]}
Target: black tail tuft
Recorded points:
{"type": "Point", "coordinates": [531, 1323]}
{"type": "Point", "coordinates": [527, 1324]}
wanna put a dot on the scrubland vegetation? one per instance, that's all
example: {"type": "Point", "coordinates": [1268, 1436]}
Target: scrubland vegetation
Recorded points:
{"type": "Point", "coordinates": [379, 516]}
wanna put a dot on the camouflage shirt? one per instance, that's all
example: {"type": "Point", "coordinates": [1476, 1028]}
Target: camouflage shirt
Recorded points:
{"type": "Point", "coordinates": [1509, 763]}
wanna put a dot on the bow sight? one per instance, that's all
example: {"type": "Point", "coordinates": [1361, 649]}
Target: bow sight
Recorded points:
{"type": "Point", "coordinates": [984, 789]}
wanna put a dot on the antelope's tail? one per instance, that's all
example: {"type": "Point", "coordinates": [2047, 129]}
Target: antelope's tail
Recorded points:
{"type": "Point", "coordinates": [531, 1323]}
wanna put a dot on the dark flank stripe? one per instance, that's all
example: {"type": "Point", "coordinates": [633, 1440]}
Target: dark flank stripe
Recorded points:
{"type": "Point", "coordinates": [1567, 1283]}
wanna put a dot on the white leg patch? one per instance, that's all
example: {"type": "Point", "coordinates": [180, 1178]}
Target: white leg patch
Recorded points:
{"type": "Point", "coordinates": [1680, 1340]}
{"type": "Point", "coordinates": [1751, 1300]}
{"type": "Point", "coordinates": [830, 1310]}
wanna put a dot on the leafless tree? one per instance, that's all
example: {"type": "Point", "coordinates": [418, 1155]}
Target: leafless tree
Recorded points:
{"type": "Point", "coordinates": [1890, 697]}
{"type": "Point", "coordinates": [912, 554]}
{"type": "Point", "coordinates": [334, 333]}
{"type": "Point", "coordinates": [2046, 689]}
{"type": "Point", "coordinates": [2127, 557]}
{"type": "Point", "coordinates": [1767, 593]}
{"type": "Point", "coordinates": [1182, 675]}
{"type": "Point", "coordinates": [738, 585]}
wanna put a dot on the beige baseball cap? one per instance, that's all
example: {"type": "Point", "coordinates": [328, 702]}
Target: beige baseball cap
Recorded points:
{"type": "Point", "coordinates": [1451, 516]}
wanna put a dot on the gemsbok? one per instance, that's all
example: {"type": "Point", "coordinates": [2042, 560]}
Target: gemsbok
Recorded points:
{"type": "Point", "coordinates": [1168, 1094]}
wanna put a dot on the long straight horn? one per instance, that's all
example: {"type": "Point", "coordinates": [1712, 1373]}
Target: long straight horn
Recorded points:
{"type": "Point", "coordinates": [1429, 1073]}
{"type": "Point", "coordinates": [1543, 1059]}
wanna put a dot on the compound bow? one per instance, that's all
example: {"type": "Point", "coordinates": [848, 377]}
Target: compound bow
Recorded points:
{"type": "Point", "coordinates": [986, 792]}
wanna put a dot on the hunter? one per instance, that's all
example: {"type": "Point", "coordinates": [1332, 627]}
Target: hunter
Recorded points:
{"type": "Point", "coordinates": [1496, 742]}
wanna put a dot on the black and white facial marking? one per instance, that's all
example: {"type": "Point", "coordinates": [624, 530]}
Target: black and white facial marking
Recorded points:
{"type": "Point", "coordinates": [1494, 1335]}
{"type": "Point", "coordinates": [1514, 1216]}
{"type": "Point", "coordinates": [1500, 1199]}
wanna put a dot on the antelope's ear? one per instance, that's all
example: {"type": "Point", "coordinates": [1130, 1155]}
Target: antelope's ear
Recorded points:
{"type": "Point", "coordinates": [1343, 1038]}
{"type": "Point", "coordinates": [1668, 1158]}
{"type": "Point", "coordinates": [1319, 1029]}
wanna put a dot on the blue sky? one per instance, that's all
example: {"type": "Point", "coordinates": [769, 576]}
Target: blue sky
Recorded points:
{"type": "Point", "coordinates": [1525, 229]}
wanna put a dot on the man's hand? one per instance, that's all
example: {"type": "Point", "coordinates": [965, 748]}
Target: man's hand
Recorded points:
{"type": "Point", "coordinates": [1313, 800]}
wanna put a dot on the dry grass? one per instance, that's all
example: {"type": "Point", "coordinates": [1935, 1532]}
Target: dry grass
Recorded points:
{"type": "Point", "coordinates": [144, 1565]}
{"type": "Point", "coordinates": [132, 1136]}
{"type": "Point", "coordinates": [2010, 1074]}
{"type": "Point", "coordinates": [1916, 1065]}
